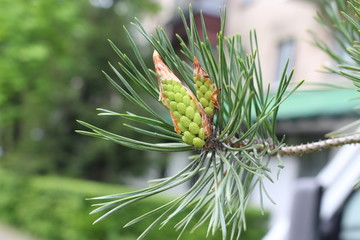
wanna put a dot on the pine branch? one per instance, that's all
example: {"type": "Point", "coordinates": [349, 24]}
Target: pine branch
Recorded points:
{"type": "Point", "coordinates": [318, 146]}
{"type": "Point", "coordinates": [206, 120]}
{"type": "Point", "coordinates": [278, 150]}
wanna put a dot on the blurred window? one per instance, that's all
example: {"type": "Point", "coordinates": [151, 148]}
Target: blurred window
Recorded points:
{"type": "Point", "coordinates": [246, 3]}
{"type": "Point", "coordinates": [286, 51]}
{"type": "Point", "coordinates": [350, 220]}
{"type": "Point", "coordinates": [307, 166]}
{"type": "Point", "coordinates": [210, 6]}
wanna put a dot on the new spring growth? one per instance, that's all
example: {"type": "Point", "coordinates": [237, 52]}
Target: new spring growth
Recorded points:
{"type": "Point", "coordinates": [187, 114]}
{"type": "Point", "coordinates": [206, 91]}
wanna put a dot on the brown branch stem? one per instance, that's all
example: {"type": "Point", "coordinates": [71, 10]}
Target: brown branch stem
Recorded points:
{"type": "Point", "coordinates": [318, 146]}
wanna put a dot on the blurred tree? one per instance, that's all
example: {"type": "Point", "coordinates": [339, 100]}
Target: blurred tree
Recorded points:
{"type": "Point", "coordinates": [51, 54]}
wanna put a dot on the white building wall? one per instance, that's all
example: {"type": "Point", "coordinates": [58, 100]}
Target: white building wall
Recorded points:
{"type": "Point", "coordinates": [276, 21]}
{"type": "Point", "coordinates": [280, 190]}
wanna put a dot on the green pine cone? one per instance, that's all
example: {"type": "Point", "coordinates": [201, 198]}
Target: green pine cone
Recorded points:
{"type": "Point", "coordinates": [194, 128]}
{"type": "Point", "coordinates": [173, 106]}
{"type": "Point", "coordinates": [204, 102]}
{"type": "Point", "coordinates": [209, 111]}
{"type": "Point", "coordinates": [189, 120]}
{"type": "Point", "coordinates": [201, 133]}
{"type": "Point", "coordinates": [205, 90]}
{"type": "Point", "coordinates": [182, 128]}
{"type": "Point", "coordinates": [186, 100]}
{"type": "Point", "coordinates": [198, 142]}
{"type": "Point", "coordinates": [181, 107]}
{"type": "Point", "coordinates": [185, 121]}
{"type": "Point", "coordinates": [188, 137]}
{"type": "Point", "coordinates": [185, 111]}
{"type": "Point", "coordinates": [190, 112]}
{"type": "Point", "coordinates": [197, 119]}
{"type": "Point", "coordinates": [177, 115]}
{"type": "Point", "coordinates": [178, 97]}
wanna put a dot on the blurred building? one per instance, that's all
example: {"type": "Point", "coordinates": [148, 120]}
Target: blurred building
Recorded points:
{"type": "Point", "coordinates": [282, 28]}
{"type": "Point", "coordinates": [283, 33]}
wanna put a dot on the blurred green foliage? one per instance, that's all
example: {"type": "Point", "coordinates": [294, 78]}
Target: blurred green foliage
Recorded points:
{"type": "Point", "coordinates": [54, 208]}
{"type": "Point", "coordinates": [51, 56]}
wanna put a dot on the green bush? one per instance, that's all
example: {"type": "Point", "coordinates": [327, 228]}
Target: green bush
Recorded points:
{"type": "Point", "coordinates": [54, 208]}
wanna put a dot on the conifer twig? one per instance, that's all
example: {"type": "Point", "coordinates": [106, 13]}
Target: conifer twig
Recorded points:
{"type": "Point", "coordinates": [318, 146]}
{"type": "Point", "coordinates": [233, 146]}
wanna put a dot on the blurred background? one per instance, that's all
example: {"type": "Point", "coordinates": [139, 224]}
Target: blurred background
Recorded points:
{"type": "Point", "coordinates": [52, 53]}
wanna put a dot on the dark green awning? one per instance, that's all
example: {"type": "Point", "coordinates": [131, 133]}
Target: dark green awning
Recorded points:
{"type": "Point", "coordinates": [313, 103]}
